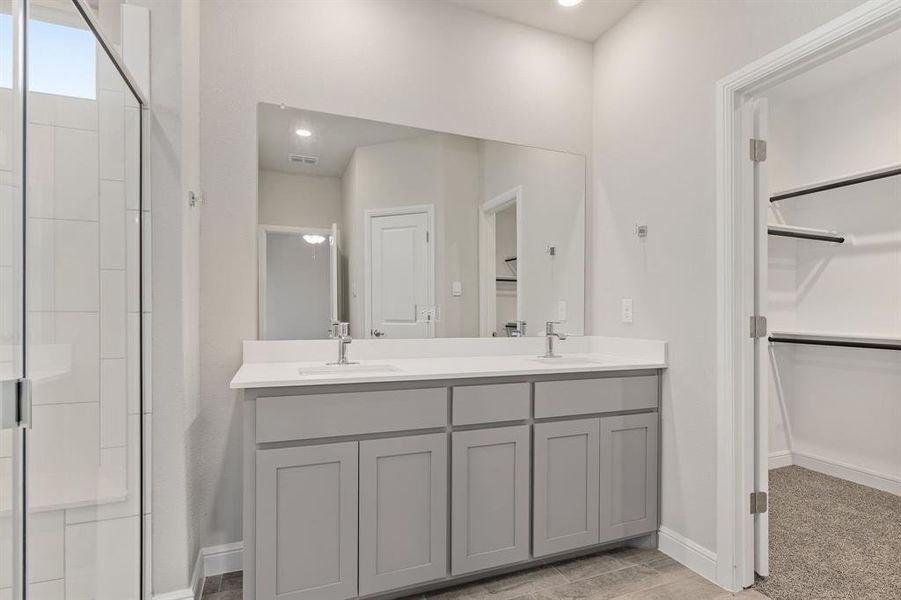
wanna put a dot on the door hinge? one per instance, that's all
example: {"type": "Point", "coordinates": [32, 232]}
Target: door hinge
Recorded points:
{"type": "Point", "coordinates": [758, 150]}
{"type": "Point", "coordinates": [758, 503]}
{"type": "Point", "coordinates": [426, 237]}
{"type": "Point", "coordinates": [15, 410]}
{"type": "Point", "coordinates": [757, 327]}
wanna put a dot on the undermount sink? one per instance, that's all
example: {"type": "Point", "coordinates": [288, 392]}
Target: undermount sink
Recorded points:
{"type": "Point", "coordinates": [348, 368]}
{"type": "Point", "coordinates": [566, 360]}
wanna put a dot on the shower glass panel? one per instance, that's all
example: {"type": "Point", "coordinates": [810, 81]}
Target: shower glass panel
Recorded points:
{"type": "Point", "coordinates": [83, 268]}
{"type": "Point", "coordinates": [12, 363]}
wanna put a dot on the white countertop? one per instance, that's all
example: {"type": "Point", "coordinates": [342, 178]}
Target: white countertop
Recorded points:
{"type": "Point", "coordinates": [480, 359]}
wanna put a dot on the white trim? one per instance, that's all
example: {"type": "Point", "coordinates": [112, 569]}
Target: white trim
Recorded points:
{"type": "Point", "coordinates": [780, 459]}
{"type": "Point", "coordinates": [735, 439]}
{"type": "Point", "coordinates": [487, 259]}
{"type": "Point", "coordinates": [874, 479]}
{"type": "Point", "coordinates": [262, 231]}
{"type": "Point", "coordinates": [185, 594]}
{"type": "Point", "coordinates": [696, 557]}
{"type": "Point", "coordinates": [212, 560]}
{"type": "Point", "coordinates": [226, 558]}
{"type": "Point", "coordinates": [429, 210]}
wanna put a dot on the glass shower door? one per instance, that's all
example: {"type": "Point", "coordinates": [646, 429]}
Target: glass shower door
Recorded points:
{"type": "Point", "coordinates": [12, 354]}
{"type": "Point", "coordinates": [83, 314]}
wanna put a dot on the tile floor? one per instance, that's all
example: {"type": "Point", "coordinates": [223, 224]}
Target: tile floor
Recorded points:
{"type": "Point", "coordinates": [624, 574]}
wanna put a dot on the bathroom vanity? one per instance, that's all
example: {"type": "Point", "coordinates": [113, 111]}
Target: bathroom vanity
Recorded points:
{"type": "Point", "coordinates": [396, 475]}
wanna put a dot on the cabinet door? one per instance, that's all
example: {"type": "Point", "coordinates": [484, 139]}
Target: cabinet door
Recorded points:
{"type": "Point", "coordinates": [566, 468]}
{"type": "Point", "coordinates": [403, 512]}
{"type": "Point", "coordinates": [628, 475]}
{"type": "Point", "coordinates": [306, 518]}
{"type": "Point", "coordinates": [490, 498]}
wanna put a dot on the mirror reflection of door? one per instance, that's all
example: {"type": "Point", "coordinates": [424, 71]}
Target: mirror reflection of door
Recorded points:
{"type": "Point", "coordinates": [400, 294]}
{"type": "Point", "coordinates": [505, 270]}
{"type": "Point", "coordinates": [297, 267]}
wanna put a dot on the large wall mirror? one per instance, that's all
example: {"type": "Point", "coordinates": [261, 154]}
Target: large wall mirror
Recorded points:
{"type": "Point", "coordinates": [410, 233]}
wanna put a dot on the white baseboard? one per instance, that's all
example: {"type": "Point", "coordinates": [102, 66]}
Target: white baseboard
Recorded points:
{"type": "Point", "coordinates": [691, 554]}
{"type": "Point", "coordinates": [213, 560]}
{"type": "Point", "coordinates": [781, 459]}
{"type": "Point", "coordinates": [185, 594]}
{"type": "Point", "coordinates": [880, 481]}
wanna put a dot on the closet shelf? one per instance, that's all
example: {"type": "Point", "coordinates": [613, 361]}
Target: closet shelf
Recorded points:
{"type": "Point", "coordinates": [805, 233]}
{"type": "Point", "coordinates": [840, 340]}
{"type": "Point", "coordinates": [890, 171]}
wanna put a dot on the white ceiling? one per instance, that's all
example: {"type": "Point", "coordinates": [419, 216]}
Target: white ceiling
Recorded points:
{"type": "Point", "coordinates": [881, 54]}
{"type": "Point", "coordinates": [585, 21]}
{"type": "Point", "coordinates": [334, 139]}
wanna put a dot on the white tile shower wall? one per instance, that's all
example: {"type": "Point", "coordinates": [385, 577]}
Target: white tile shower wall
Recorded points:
{"type": "Point", "coordinates": [83, 269]}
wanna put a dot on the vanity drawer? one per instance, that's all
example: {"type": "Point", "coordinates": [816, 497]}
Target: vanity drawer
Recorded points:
{"type": "Point", "coordinates": [283, 418]}
{"type": "Point", "coordinates": [586, 396]}
{"type": "Point", "coordinates": [491, 403]}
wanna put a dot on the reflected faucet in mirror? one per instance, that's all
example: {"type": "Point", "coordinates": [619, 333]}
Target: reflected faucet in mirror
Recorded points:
{"type": "Point", "coordinates": [340, 331]}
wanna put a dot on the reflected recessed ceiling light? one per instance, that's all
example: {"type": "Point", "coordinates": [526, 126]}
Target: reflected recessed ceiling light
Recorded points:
{"type": "Point", "coordinates": [304, 132]}
{"type": "Point", "coordinates": [568, 3]}
{"type": "Point", "coordinates": [313, 239]}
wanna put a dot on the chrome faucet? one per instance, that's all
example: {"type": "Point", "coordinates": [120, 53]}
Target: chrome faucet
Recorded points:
{"type": "Point", "coordinates": [516, 328]}
{"type": "Point", "coordinates": [340, 332]}
{"type": "Point", "coordinates": [549, 335]}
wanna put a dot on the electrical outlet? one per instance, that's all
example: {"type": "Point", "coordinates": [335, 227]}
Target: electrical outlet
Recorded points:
{"type": "Point", "coordinates": [627, 310]}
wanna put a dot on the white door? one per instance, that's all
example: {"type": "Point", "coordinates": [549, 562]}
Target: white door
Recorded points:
{"type": "Point", "coordinates": [754, 127]}
{"type": "Point", "coordinates": [400, 294]}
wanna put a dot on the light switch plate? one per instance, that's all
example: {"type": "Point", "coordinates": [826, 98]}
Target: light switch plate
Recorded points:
{"type": "Point", "coordinates": [627, 310]}
{"type": "Point", "coordinates": [561, 310]}
{"type": "Point", "coordinates": [457, 288]}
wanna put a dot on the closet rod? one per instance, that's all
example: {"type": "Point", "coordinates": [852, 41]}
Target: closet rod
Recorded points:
{"type": "Point", "coordinates": [843, 343]}
{"type": "Point", "coordinates": [805, 234]}
{"type": "Point", "coordinates": [839, 183]}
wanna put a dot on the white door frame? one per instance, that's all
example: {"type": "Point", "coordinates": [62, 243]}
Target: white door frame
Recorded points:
{"type": "Point", "coordinates": [735, 288]}
{"type": "Point", "coordinates": [262, 230]}
{"type": "Point", "coordinates": [488, 261]}
{"type": "Point", "coordinates": [368, 215]}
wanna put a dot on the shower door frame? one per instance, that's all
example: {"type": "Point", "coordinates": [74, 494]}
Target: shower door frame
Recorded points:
{"type": "Point", "coordinates": [20, 18]}
{"type": "Point", "coordinates": [738, 437]}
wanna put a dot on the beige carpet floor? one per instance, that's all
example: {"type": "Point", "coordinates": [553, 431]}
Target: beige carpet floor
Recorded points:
{"type": "Point", "coordinates": [831, 539]}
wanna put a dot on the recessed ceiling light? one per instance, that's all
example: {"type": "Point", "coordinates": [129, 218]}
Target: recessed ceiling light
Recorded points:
{"type": "Point", "coordinates": [304, 132]}
{"type": "Point", "coordinates": [568, 3]}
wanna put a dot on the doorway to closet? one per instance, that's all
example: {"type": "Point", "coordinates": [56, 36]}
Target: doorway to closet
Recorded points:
{"type": "Point", "coordinates": [842, 129]}
{"type": "Point", "coordinates": [833, 304]}
{"type": "Point", "coordinates": [815, 183]}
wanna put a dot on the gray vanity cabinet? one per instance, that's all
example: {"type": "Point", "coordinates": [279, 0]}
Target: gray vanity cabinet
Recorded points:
{"type": "Point", "coordinates": [566, 471]}
{"type": "Point", "coordinates": [490, 498]}
{"type": "Point", "coordinates": [306, 523]}
{"type": "Point", "coordinates": [628, 475]}
{"type": "Point", "coordinates": [403, 511]}
{"type": "Point", "coordinates": [359, 491]}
